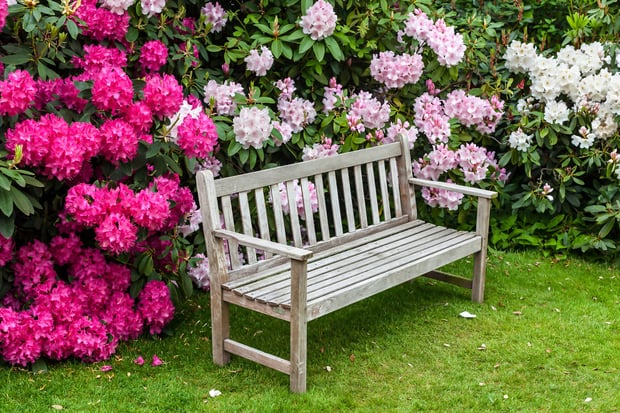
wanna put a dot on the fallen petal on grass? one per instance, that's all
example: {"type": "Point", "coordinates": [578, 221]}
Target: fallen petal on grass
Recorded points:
{"type": "Point", "coordinates": [214, 393]}
{"type": "Point", "coordinates": [156, 361]}
{"type": "Point", "coordinates": [106, 368]}
{"type": "Point", "coordinates": [139, 361]}
{"type": "Point", "coordinates": [467, 314]}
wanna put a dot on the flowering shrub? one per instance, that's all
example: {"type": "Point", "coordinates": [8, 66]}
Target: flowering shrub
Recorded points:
{"type": "Point", "coordinates": [565, 136]}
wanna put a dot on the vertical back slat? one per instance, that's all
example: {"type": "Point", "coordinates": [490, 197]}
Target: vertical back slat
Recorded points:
{"type": "Point", "coordinates": [320, 194]}
{"type": "Point", "coordinates": [246, 222]}
{"type": "Point", "coordinates": [348, 202]}
{"type": "Point", "coordinates": [308, 214]}
{"type": "Point", "coordinates": [293, 214]}
{"type": "Point", "coordinates": [372, 191]}
{"type": "Point", "coordinates": [229, 223]}
{"type": "Point", "coordinates": [263, 221]}
{"type": "Point", "coordinates": [278, 216]}
{"type": "Point", "coordinates": [361, 198]}
{"type": "Point", "coordinates": [398, 209]}
{"type": "Point", "coordinates": [335, 202]}
{"type": "Point", "coordinates": [385, 196]}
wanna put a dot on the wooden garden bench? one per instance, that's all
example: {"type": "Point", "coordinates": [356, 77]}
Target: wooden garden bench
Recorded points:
{"type": "Point", "coordinates": [363, 237]}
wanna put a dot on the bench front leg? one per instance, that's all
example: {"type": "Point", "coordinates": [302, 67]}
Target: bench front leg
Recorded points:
{"type": "Point", "coordinates": [299, 324]}
{"type": "Point", "coordinates": [480, 258]}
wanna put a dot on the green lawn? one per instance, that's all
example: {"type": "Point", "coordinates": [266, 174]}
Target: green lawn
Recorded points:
{"type": "Point", "coordinates": [546, 340]}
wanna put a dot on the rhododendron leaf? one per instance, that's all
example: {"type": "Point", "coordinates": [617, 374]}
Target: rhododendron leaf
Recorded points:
{"type": "Point", "coordinates": [319, 50]}
{"type": "Point", "coordinates": [233, 148]}
{"type": "Point", "coordinates": [4, 183]}
{"type": "Point", "coordinates": [186, 283]}
{"type": "Point", "coordinates": [334, 49]}
{"type": "Point", "coordinates": [244, 155]}
{"type": "Point", "coordinates": [21, 201]}
{"type": "Point", "coordinates": [16, 59]}
{"type": "Point", "coordinates": [6, 203]}
{"type": "Point", "coordinates": [132, 34]}
{"type": "Point", "coordinates": [73, 29]}
{"type": "Point", "coordinates": [276, 48]}
{"type": "Point", "coordinates": [7, 225]}
{"type": "Point", "coordinates": [305, 45]}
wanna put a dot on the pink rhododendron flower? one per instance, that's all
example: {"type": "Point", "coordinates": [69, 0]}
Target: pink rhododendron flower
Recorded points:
{"type": "Point", "coordinates": [259, 63]}
{"type": "Point", "coordinates": [139, 361]}
{"type": "Point", "coordinates": [333, 94]}
{"type": "Point", "coordinates": [320, 150]}
{"type": "Point", "coordinates": [319, 21]}
{"type": "Point", "coordinates": [119, 141]}
{"type": "Point", "coordinates": [6, 250]}
{"type": "Point", "coordinates": [215, 15]}
{"type": "Point", "coordinates": [163, 94]}
{"type": "Point", "coordinates": [156, 361]}
{"type": "Point", "coordinates": [155, 305]}
{"type": "Point", "coordinates": [474, 162]}
{"type": "Point", "coordinates": [223, 95]}
{"type": "Point", "coordinates": [441, 159]}
{"type": "Point", "coordinates": [431, 119]}
{"type": "Point", "coordinates": [367, 112]}
{"type": "Point", "coordinates": [117, 6]}
{"type": "Point", "coordinates": [116, 233]}
{"type": "Point", "coordinates": [100, 23]}
{"type": "Point", "coordinates": [199, 272]}
{"type": "Point", "coordinates": [150, 210]}
{"type": "Point", "coordinates": [17, 93]}
{"type": "Point", "coordinates": [139, 116]}
{"type": "Point", "coordinates": [112, 90]}
{"type": "Point", "coordinates": [252, 127]}
{"type": "Point", "coordinates": [96, 57]}
{"type": "Point", "coordinates": [197, 137]}
{"type": "Point", "coordinates": [299, 200]}
{"type": "Point", "coordinates": [153, 55]}
{"type": "Point", "coordinates": [106, 368]}
{"type": "Point", "coordinates": [4, 12]}
{"type": "Point", "coordinates": [152, 7]}
{"type": "Point", "coordinates": [401, 128]}
{"type": "Point", "coordinates": [396, 71]}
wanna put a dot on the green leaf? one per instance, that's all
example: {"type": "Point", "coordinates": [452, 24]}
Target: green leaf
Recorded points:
{"type": "Point", "coordinates": [233, 148]}
{"type": "Point", "coordinates": [74, 30]}
{"type": "Point", "coordinates": [7, 225]}
{"type": "Point", "coordinates": [5, 183]}
{"type": "Point", "coordinates": [186, 283]}
{"type": "Point", "coordinates": [21, 201]}
{"type": "Point", "coordinates": [319, 51]}
{"type": "Point", "coordinates": [6, 203]}
{"type": "Point", "coordinates": [606, 229]}
{"type": "Point", "coordinates": [16, 59]}
{"type": "Point", "coordinates": [276, 48]}
{"type": "Point", "coordinates": [305, 45]}
{"type": "Point", "coordinates": [244, 155]}
{"type": "Point", "coordinates": [334, 49]}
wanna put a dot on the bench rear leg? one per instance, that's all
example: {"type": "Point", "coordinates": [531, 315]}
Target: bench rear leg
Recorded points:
{"type": "Point", "coordinates": [220, 327]}
{"type": "Point", "coordinates": [477, 288]}
{"type": "Point", "coordinates": [299, 327]}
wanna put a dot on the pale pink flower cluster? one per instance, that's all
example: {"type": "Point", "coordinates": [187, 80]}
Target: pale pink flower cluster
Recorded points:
{"type": "Point", "coordinates": [259, 63]}
{"type": "Point", "coordinates": [319, 21]}
{"type": "Point", "coordinates": [367, 112]}
{"type": "Point", "coordinates": [441, 198]}
{"type": "Point", "coordinates": [215, 15]}
{"type": "Point", "coordinates": [401, 128]}
{"type": "Point", "coordinates": [223, 95]}
{"type": "Point", "coordinates": [117, 6]}
{"type": "Point", "coordinates": [333, 95]}
{"type": "Point", "coordinates": [199, 272]}
{"type": "Point", "coordinates": [252, 127]}
{"type": "Point", "coordinates": [396, 71]}
{"type": "Point", "coordinates": [441, 159]}
{"type": "Point", "coordinates": [299, 199]}
{"type": "Point", "coordinates": [152, 7]}
{"type": "Point", "coordinates": [320, 150]}
{"type": "Point", "coordinates": [442, 39]}
{"type": "Point", "coordinates": [469, 110]}
{"type": "Point", "coordinates": [295, 112]}
{"type": "Point", "coordinates": [17, 93]}
{"type": "Point", "coordinates": [431, 119]}
{"type": "Point", "coordinates": [85, 317]}
{"type": "Point", "coordinates": [475, 162]}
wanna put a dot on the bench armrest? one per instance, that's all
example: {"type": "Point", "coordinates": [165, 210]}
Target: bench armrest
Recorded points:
{"type": "Point", "coordinates": [466, 190]}
{"type": "Point", "coordinates": [295, 253]}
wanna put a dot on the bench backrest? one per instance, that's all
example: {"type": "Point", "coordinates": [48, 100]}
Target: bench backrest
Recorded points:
{"type": "Point", "coordinates": [312, 202]}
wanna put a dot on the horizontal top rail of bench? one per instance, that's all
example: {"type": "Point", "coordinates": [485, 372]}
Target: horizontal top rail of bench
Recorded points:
{"type": "Point", "coordinates": [267, 177]}
{"type": "Point", "coordinates": [466, 190]}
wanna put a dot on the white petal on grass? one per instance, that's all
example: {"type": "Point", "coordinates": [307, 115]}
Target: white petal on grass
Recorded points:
{"type": "Point", "coordinates": [467, 314]}
{"type": "Point", "coordinates": [214, 393]}
{"type": "Point", "coordinates": [588, 400]}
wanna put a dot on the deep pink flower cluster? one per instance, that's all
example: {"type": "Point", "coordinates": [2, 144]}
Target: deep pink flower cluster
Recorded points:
{"type": "Point", "coordinates": [112, 90]}
{"type": "Point", "coordinates": [117, 213]}
{"type": "Point", "coordinates": [119, 141]}
{"type": "Point", "coordinates": [163, 94]}
{"type": "Point", "coordinates": [97, 57]}
{"type": "Point", "coordinates": [447, 45]}
{"type": "Point", "coordinates": [215, 15]}
{"type": "Point", "coordinates": [4, 12]}
{"type": "Point", "coordinates": [197, 136]}
{"type": "Point", "coordinates": [100, 23]}
{"type": "Point", "coordinates": [6, 250]}
{"type": "Point", "coordinates": [63, 91]}
{"type": "Point", "coordinates": [83, 312]}
{"type": "Point", "coordinates": [155, 305]}
{"type": "Point", "coordinates": [396, 71]}
{"type": "Point", "coordinates": [153, 55]}
{"type": "Point", "coordinates": [367, 112]}
{"type": "Point", "coordinates": [319, 21]}
{"type": "Point", "coordinates": [58, 149]}
{"type": "Point", "coordinates": [17, 93]}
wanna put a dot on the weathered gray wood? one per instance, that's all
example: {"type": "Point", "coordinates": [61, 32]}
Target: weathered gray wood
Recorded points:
{"type": "Point", "coordinates": [268, 177]}
{"type": "Point", "coordinates": [361, 201]}
{"type": "Point", "coordinates": [308, 214]}
{"type": "Point", "coordinates": [258, 356]}
{"type": "Point", "coordinates": [372, 191]}
{"type": "Point", "coordinates": [382, 246]}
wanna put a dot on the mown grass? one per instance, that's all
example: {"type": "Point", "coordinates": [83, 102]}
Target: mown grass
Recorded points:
{"type": "Point", "coordinates": [545, 340]}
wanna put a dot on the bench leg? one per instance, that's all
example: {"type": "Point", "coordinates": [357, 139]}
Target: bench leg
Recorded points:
{"type": "Point", "coordinates": [299, 327]}
{"type": "Point", "coordinates": [477, 288]}
{"type": "Point", "coordinates": [220, 327]}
